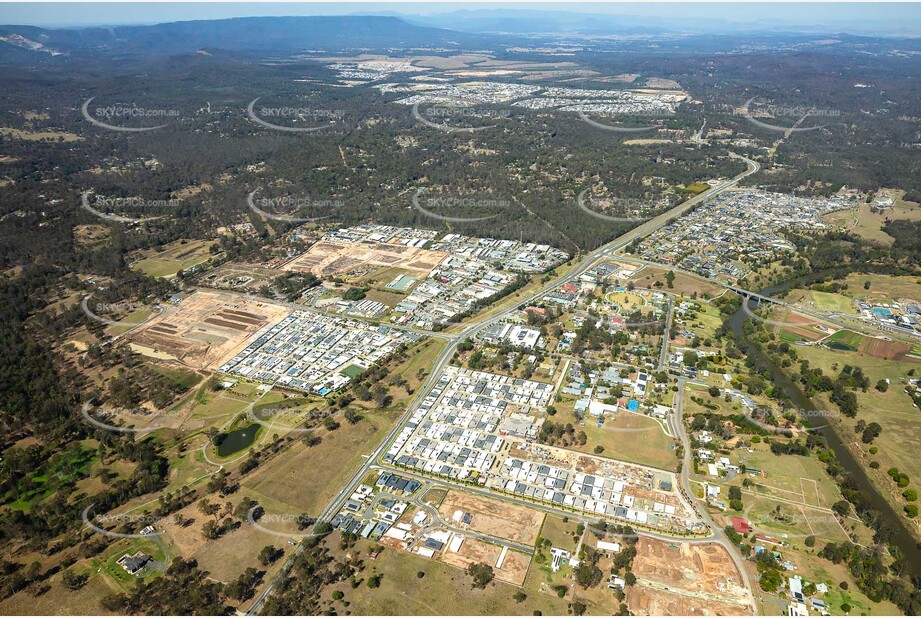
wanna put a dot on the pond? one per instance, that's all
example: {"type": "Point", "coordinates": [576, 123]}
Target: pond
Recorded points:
{"type": "Point", "coordinates": [238, 439]}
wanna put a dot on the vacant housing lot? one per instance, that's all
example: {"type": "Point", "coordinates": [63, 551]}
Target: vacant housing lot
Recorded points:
{"type": "Point", "coordinates": [493, 517]}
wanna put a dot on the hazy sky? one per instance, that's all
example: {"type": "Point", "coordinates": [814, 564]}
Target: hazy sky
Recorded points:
{"type": "Point", "coordinates": [894, 16]}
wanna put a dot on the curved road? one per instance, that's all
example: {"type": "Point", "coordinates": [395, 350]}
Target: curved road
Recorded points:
{"type": "Point", "coordinates": [719, 535]}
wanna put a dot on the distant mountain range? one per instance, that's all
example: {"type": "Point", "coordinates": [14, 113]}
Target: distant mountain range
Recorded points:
{"type": "Point", "coordinates": [272, 35]}
{"type": "Point", "coordinates": [520, 21]}
{"type": "Point", "coordinates": [465, 30]}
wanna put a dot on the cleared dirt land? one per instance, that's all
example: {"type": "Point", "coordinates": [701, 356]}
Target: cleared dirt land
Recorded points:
{"type": "Point", "coordinates": [514, 564]}
{"type": "Point", "coordinates": [646, 601]}
{"type": "Point", "coordinates": [681, 578]}
{"type": "Point", "coordinates": [326, 258]}
{"type": "Point", "coordinates": [493, 517]}
{"type": "Point", "coordinates": [204, 329]}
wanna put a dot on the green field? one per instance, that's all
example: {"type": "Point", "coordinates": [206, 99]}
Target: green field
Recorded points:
{"type": "Point", "coordinates": [847, 338]}
{"type": "Point", "coordinates": [650, 447]}
{"type": "Point", "coordinates": [824, 301]}
{"type": "Point", "coordinates": [128, 322]}
{"type": "Point", "coordinates": [352, 371]}
{"type": "Point", "coordinates": [175, 257]}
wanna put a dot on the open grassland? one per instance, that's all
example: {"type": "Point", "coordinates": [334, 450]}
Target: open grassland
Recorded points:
{"type": "Point", "coordinates": [307, 477]}
{"type": "Point", "coordinates": [59, 600]}
{"type": "Point", "coordinates": [826, 302]}
{"type": "Point", "coordinates": [684, 285]}
{"type": "Point", "coordinates": [883, 289]}
{"type": "Point", "coordinates": [444, 590]}
{"type": "Point", "coordinates": [797, 478]}
{"type": "Point", "coordinates": [562, 534]}
{"type": "Point", "coordinates": [624, 436]}
{"type": "Point", "coordinates": [768, 516]}
{"type": "Point", "coordinates": [129, 321]}
{"type": "Point", "coordinates": [869, 225]}
{"type": "Point", "coordinates": [174, 257]}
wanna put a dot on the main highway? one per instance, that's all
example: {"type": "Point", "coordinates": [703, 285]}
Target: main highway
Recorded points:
{"type": "Point", "coordinates": [475, 326]}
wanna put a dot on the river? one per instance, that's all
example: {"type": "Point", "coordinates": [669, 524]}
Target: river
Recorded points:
{"type": "Point", "coordinates": [901, 536]}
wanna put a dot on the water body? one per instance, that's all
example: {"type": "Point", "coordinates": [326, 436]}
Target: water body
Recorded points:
{"type": "Point", "coordinates": [237, 440]}
{"type": "Point", "coordinates": [901, 537]}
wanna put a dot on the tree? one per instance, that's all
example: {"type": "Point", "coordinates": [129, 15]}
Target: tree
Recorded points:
{"type": "Point", "coordinates": [871, 432]}
{"type": "Point", "coordinates": [910, 494]}
{"type": "Point", "coordinates": [519, 596]}
{"type": "Point", "coordinates": [207, 508]}
{"type": "Point", "coordinates": [810, 541]}
{"type": "Point", "coordinates": [354, 294]}
{"type": "Point", "coordinates": [770, 580]}
{"type": "Point", "coordinates": [245, 506]}
{"type": "Point", "coordinates": [244, 587]}
{"type": "Point", "coordinates": [842, 507]}
{"type": "Point", "coordinates": [269, 554]}
{"type": "Point", "coordinates": [72, 580]}
{"type": "Point", "coordinates": [735, 492]}
{"type": "Point", "coordinates": [380, 394]}
{"type": "Point", "coordinates": [882, 386]}
{"type": "Point", "coordinates": [362, 391]}
{"type": "Point", "coordinates": [375, 580]}
{"type": "Point", "coordinates": [587, 574]}
{"type": "Point", "coordinates": [481, 573]}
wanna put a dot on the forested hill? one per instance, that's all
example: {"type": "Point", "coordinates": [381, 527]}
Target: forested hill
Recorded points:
{"type": "Point", "coordinates": [278, 35]}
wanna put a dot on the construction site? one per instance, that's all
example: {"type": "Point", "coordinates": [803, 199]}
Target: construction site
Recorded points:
{"type": "Point", "coordinates": [690, 579]}
{"type": "Point", "coordinates": [326, 259]}
{"type": "Point", "coordinates": [204, 328]}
